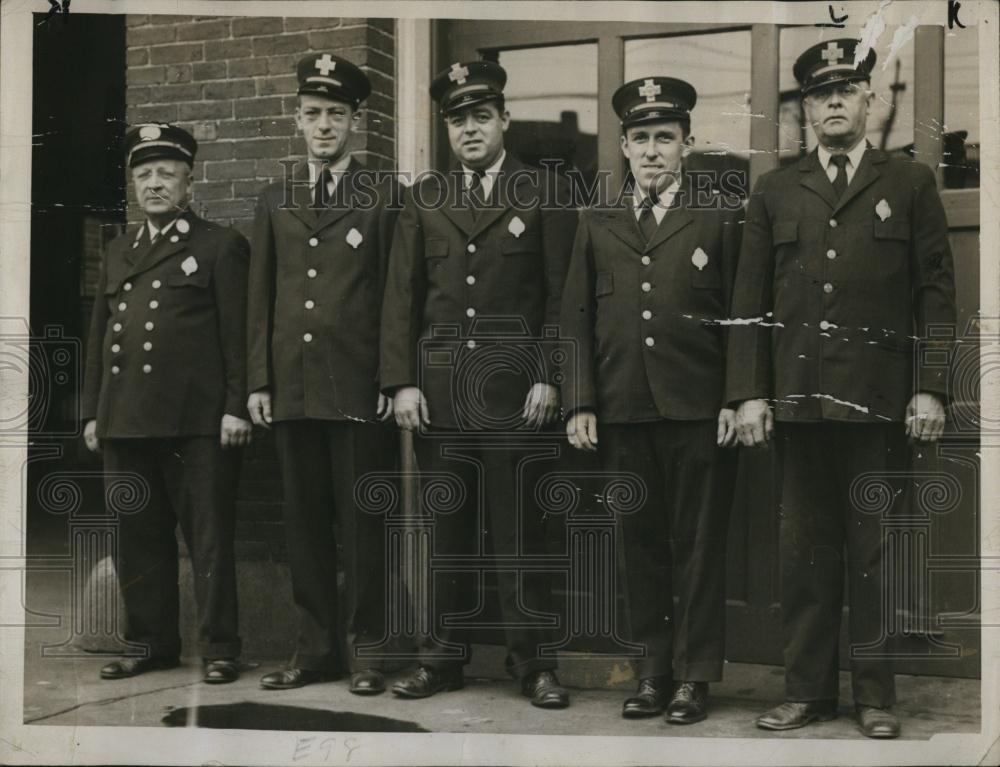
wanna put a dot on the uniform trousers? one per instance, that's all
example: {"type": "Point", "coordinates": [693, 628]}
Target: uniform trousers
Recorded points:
{"type": "Point", "coordinates": [825, 526]}
{"type": "Point", "coordinates": [480, 495]}
{"type": "Point", "coordinates": [190, 481]}
{"type": "Point", "coordinates": [674, 544]}
{"type": "Point", "coordinates": [321, 465]}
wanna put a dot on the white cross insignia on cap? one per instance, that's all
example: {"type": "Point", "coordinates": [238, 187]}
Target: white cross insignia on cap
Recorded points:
{"type": "Point", "coordinates": [149, 132]}
{"type": "Point", "coordinates": [325, 65]}
{"type": "Point", "coordinates": [650, 90]}
{"type": "Point", "coordinates": [832, 53]}
{"type": "Point", "coordinates": [458, 73]}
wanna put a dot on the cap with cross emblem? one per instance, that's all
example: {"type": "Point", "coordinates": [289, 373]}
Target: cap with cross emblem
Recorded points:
{"type": "Point", "coordinates": [468, 83]}
{"type": "Point", "coordinates": [650, 99]}
{"type": "Point", "coordinates": [833, 61]}
{"type": "Point", "coordinates": [336, 78]}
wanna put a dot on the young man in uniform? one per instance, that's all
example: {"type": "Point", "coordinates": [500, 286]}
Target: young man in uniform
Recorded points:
{"type": "Point", "coordinates": [317, 272]}
{"type": "Point", "coordinates": [844, 262]}
{"type": "Point", "coordinates": [482, 255]}
{"type": "Point", "coordinates": [164, 398]}
{"type": "Point", "coordinates": [646, 301]}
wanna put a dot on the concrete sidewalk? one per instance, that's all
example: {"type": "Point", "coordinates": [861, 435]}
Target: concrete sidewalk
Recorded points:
{"type": "Point", "coordinates": [66, 691]}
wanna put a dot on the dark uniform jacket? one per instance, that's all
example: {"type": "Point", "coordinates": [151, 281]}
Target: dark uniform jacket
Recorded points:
{"type": "Point", "coordinates": [166, 354]}
{"type": "Point", "coordinates": [832, 295]}
{"type": "Point", "coordinates": [492, 280]}
{"type": "Point", "coordinates": [648, 320]}
{"type": "Point", "coordinates": [316, 283]}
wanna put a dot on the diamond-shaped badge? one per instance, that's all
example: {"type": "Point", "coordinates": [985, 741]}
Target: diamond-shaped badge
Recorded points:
{"type": "Point", "coordinates": [516, 226]}
{"type": "Point", "coordinates": [189, 265]}
{"type": "Point", "coordinates": [882, 210]}
{"type": "Point", "coordinates": [354, 238]}
{"type": "Point", "coordinates": [699, 258]}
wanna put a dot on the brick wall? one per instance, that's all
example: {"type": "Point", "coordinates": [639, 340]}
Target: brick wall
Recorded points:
{"type": "Point", "coordinates": [231, 82]}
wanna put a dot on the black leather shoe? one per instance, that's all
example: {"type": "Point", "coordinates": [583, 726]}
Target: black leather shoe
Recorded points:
{"type": "Point", "coordinates": [292, 678]}
{"type": "Point", "coordinates": [221, 671]}
{"type": "Point", "coordinates": [689, 704]}
{"type": "Point", "coordinates": [793, 714]}
{"type": "Point", "coordinates": [367, 682]}
{"type": "Point", "coordinates": [877, 722]}
{"type": "Point", "coordinates": [126, 667]}
{"type": "Point", "coordinates": [426, 681]}
{"type": "Point", "coordinates": [650, 698]}
{"type": "Point", "coordinates": [544, 690]}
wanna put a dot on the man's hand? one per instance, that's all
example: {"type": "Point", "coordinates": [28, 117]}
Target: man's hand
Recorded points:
{"type": "Point", "coordinates": [925, 417]}
{"type": "Point", "coordinates": [541, 406]}
{"type": "Point", "coordinates": [259, 405]}
{"type": "Point", "coordinates": [384, 408]}
{"type": "Point", "coordinates": [90, 436]}
{"type": "Point", "coordinates": [582, 430]}
{"type": "Point", "coordinates": [410, 408]}
{"type": "Point", "coordinates": [754, 422]}
{"type": "Point", "coordinates": [235, 431]}
{"type": "Point", "coordinates": [727, 428]}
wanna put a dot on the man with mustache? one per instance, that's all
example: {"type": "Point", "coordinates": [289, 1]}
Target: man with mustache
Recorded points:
{"type": "Point", "coordinates": [844, 264]}
{"type": "Point", "coordinates": [164, 399]}
{"type": "Point", "coordinates": [317, 272]}
{"type": "Point", "coordinates": [645, 301]}
{"type": "Point", "coordinates": [477, 269]}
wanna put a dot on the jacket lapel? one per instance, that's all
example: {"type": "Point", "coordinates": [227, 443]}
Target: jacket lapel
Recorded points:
{"type": "Point", "coordinates": [813, 177]}
{"type": "Point", "coordinates": [500, 195]}
{"type": "Point", "coordinates": [458, 213]}
{"type": "Point", "coordinates": [866, 175]}
{"type": "Point", "coordinates": [165, 246]}
{"type": "Point", "coordinates": [300, 195]}
{"type": "Point", "coordinates": [340, 205]}
{"type": "Point", "coordinates": [677, 217]}
{"type": "Point", "coordinates": [621, 222]}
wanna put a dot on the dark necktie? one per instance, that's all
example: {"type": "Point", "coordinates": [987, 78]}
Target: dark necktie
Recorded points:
{"type": "Point", "coordinates": [840, 180]}
{"type": "Point", "coordinates": [320, 198]}
{"type": "Point", "coordinates": [647, 220]}
{"type": "Point", "coordinates": [478, 193]}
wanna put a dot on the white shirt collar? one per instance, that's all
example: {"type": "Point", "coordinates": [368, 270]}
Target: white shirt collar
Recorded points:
{"type": "Point", "coordinates": [489, 175]}
{"type": "Point", "coordinates": [336, 169]}
{"type": "Point", "coordinates": [663, 201]}
{"type": "Point", "coordinates": [154, 232]}
{"type": "Point", "coordinates": [854, 155]}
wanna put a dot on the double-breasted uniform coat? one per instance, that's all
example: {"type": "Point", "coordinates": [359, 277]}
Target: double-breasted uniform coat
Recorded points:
{"type": "Point", "coordinates": [649, 323]}
{"type": "Point", "coordinates": [833, 298]}
{"type": "Point", "coordinates": [315, 298]}
{"type": "Point", "coordinates": [468, 297]}
{"type": "Point", "coordinates": [166, 360]}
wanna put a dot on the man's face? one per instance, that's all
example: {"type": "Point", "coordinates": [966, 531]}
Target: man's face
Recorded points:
{"type": "Point", "coordinates": [654, 151]}
{"type": "Point", "coordinates": [839, 113]}
{"type": "Point", "coordinates": [327, 126]}
{"type": "Point", "coordinates": [162, 187]}
{"type": "Point", "coordinates": [476, 134]}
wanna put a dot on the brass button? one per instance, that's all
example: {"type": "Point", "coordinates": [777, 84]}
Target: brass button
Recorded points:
{"type": "Point", "coordinates": [824, 325]}
{"type": "Point", "coordinates": [650, 341]}
{"type": "Point", "coordinates": [149, 326]}
{"type": "Point", "coordinates": [311, 273]}
{"type": "Point", "coordinates": [313, 242]}
{"type": "Point", "coordinates": [115, 348]}
{"type": "Point", "coordinates": [117, 327]}
{"type": "Point", "coordinates": [646, 261]}
{"type": "Point", "coordinates": [646, 314]}
{"type": "Point", "coordinates": [828, 288]}
{"type": "Point", "coordinates": [147, 368]}
{"type": "Point", "coordinates": [148, 346]}
{"type": "Point", "coordinates": [115, 370]}
{"type": "Point", "coordinates": [310, 304]}
{"type": "Point", "coordinates": [470, 312]}
{"type": "Point", "coordinates": [122, 306]}
{"type": "Point", "coordinates": [153, 304]}
{"type": "Point", "coordinates": [831, 254]}
{"type": "Point", "coordinates": [470, 344]}
{"type": "Point", "coordinates": [156, 284]}
{"type": "Point", "coordinates": [471, 247]}
{"type": "Point", "coordinates": [646, 287]}
{"type": "Point", "coordinates": [470, 280]}
{"type": "Point", "coordinates": [307, 337]}
{"type": "Point", "coordinates": [833, 223]}
{"type": "Point", "coordinates": [127, 286]}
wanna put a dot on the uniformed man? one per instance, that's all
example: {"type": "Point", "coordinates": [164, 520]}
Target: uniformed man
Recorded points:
{"type": "Point", "coordinates": [478, 263]}
{"type": "Point", "coordinates": [317, 272]}
{"type": "Point", "coordinates": [844, 263]}
{"type": "Point", "coordinates": [165, 398]}
{"type": "Point", "coordinates": [645, 301]}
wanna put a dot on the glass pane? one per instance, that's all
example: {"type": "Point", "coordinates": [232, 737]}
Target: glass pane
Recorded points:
{"type": "Point", "coordinates": [961, 109]}
{"type": "Point", "coordinates": [551, 94]}
{"type": "Point", "coordinates": [890, 121]}
{"type": "Point", "coordinates": [718, 66]}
